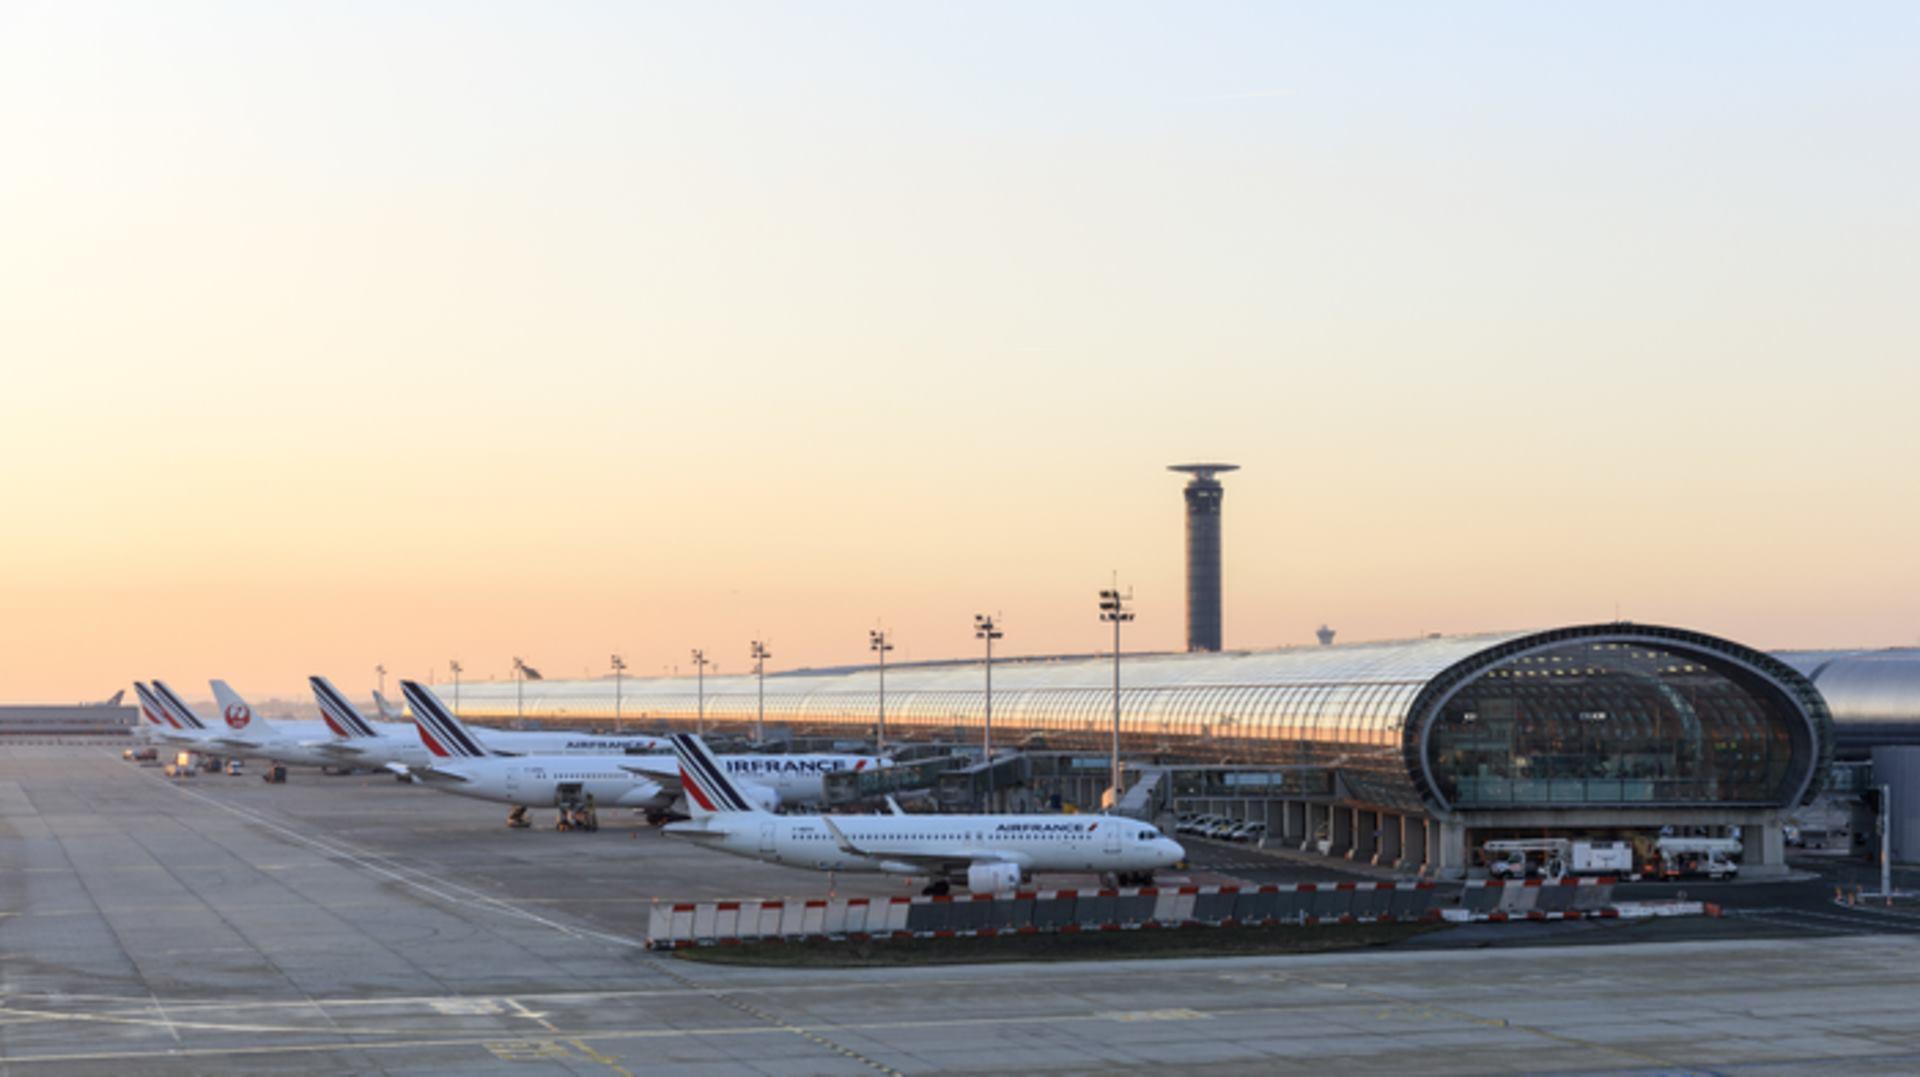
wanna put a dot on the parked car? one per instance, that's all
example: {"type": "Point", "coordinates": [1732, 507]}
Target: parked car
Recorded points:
{"type": "Point", "coordinates": [1197, 824]}
{"type": "Point", "coordinates": [1248, 833]}
{"type": "Point", "coordinates": [1220, 828]}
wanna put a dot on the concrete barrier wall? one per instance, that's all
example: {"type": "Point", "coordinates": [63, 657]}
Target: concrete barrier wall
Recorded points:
{"type": "Point", "coordinates": [1027, 911]}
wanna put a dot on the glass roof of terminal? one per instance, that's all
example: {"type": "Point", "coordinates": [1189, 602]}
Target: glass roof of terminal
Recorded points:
{"type": "Point", "coordinates": [1386, 662]}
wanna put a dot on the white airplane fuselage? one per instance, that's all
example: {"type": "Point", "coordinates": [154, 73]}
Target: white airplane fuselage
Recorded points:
{"type": "Point", "coordinates": [536, 780]}
{"type": "Point", "coordinates": [402, 746]}
{"type": "Point", "coordinates": [1100, 843]}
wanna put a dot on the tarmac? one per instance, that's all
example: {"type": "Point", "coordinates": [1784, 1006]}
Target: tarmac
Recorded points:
{"type": "Point", "coordinates": [356, 925]}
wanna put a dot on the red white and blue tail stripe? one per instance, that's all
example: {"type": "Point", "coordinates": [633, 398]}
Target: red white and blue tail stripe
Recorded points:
{"type": "Point", "coordinates": [342, 717]}
{"type": "Point", "coordinates": [176, 708]}
{"type": "Point", "coordinates": [151, 710]}
{"type": "Point", "coordinates": [709, 790]}
{"type": "Point", "coordinates": [440, 731]}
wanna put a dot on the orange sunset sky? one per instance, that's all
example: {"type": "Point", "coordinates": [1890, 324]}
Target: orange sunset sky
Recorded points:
{"type": "Point", "coordinates": [346, 334]}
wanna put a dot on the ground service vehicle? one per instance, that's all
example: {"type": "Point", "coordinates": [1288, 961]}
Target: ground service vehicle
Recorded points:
{"type": "Point", "coordinates": [1553, 858]}
{"type": "Point", "coordinates": [1711, 857]}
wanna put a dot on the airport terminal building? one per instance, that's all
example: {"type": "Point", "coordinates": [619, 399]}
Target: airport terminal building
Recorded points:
{"type": "Point", "coordinates": [1404, 753]}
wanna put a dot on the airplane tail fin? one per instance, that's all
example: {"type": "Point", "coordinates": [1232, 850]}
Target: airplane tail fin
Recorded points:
{"type": "Point", "coordinates": [440, 731]}
{"type": "Point", "coordinates": [150, 708]}
{"type": "Point", "coordinates": [709, 790]}
{"type": "Point", "coordinates": [342, 717]}
{"type": "Point", "coordinates": [234, 710]}
{"type": "Point", "coordinates": [388, 712]}
{"type": "Point", "coordinates": [114, 699]}
{"type": "Point", "coordinates": [177, 708]}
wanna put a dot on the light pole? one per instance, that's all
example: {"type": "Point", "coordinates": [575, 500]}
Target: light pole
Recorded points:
{"type": "Point", "coordinates": [519, 693]}
{"type": "Point", "coordinates": [878, 643]}
{"type": "Point", "coordinates": [1113, 608]}
{"type": "Point", "coordinates": [619, 667]}
{"type": "Point", "coordinates": [455, 666]}
{"type": "Point", "coordinates": [760, 656]}
{"type": "Point", "coordinates": [700, 663]}
{"type": "Point", "coordinates": [382, 671]}
{"type": "Point", "coordinates": [984, 628]}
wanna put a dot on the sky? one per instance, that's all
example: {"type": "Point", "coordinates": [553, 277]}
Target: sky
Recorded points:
{"type": "Point", "coordinates": [369, 333]}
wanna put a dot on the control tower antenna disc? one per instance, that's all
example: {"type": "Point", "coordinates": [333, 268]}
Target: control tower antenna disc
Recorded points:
{"type": "Point", "coordinates": [1203, 493]}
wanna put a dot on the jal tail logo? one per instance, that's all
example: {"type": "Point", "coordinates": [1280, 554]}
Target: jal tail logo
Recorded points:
{"type": "Point", "coordinates": [238, 715]}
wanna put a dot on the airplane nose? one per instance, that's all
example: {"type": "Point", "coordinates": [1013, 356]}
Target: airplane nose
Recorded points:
{"type": "Point", "coordinates": [1173, 850]}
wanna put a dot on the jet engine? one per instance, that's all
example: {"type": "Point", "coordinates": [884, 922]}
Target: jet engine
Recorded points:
{"type": "Point", "coordinates": [993, 878]}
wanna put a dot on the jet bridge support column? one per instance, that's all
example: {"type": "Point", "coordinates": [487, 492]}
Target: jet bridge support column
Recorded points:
{"type": "Point", "coordinates": [1293, 823]}
{"type": "Point", "coordinates": [1388, 854]}
{"type": "Point", "coordinates": [1339, 830]}
{"type": "Point", "coordinates": [1413, 843]}
{"type": "Point", "coordinates": [1366, 834]}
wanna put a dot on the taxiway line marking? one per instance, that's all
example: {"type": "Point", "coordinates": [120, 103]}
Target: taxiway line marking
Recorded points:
{"type": "Point", "coordinates": [361, 857]}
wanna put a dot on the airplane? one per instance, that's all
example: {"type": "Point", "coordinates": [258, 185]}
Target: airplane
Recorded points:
{"type": "Point", "coordinates": [161, 725]}
{"type": "Point", "coordinates": [465, 765]}
{"type": "Point", "coordinates": [188, 727]}
{"type": "Point", "coordinates": [991, 853]}
{"type": "Point", "coordinates": [283, 741]}
{"type": "Point", "coordinates": [361, 738]}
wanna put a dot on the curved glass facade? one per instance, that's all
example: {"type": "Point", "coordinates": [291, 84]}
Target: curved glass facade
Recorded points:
{"type": "Point", "coordinates": [1600, 722]}
{"type": "Point", "coordinates": [1689, 718]}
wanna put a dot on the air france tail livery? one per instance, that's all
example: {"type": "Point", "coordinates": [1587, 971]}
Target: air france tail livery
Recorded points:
{"type": "Point", "coordinates": [402, 748]}
{"type": "Point", "coordinates": [989, 852]}
{"type": "Point", "coordinates": [464, 764]}
{"type": "Point", "coordinates": [161, 724]}
{"type": "Point", "coordinates": [188, 728]}
{"type": "Point", "coordinates": [358, 741]}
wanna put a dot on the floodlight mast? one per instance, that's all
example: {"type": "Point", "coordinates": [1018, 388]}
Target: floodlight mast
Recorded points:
{"type": "Point", "coordinates": [454, 664]}
{"type": "Point", "coordinates": [760, 656]}
{"type": "Point", "coordinates": [519, 693]}
{"type": "Point", "coordinates": [879, 644]}
{"type": "Point", "coordinates": [619, 667]}
{"type": "Point", "coordinates": [985, 629]}
{"type": "Point", "coordinates": [1113, 609]}
{"type": "Point", "coordinates": [700, 663]}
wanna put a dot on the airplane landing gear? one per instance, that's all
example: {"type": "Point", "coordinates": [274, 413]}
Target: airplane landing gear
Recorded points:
{"type": "Point", "coordinates": [578, 815]}
{"type": "Point", "coordinates": [517, 818]}
{"type": "Point", "coordinates": [937, 888]}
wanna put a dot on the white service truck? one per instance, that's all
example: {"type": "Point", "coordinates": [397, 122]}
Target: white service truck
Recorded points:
{"type": "Point", "coordinates": [1554, 858]}
{"type": "Point", "coordinates": [1712, 857]}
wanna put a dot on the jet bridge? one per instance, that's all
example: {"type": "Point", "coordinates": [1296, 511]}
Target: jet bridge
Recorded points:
{"type": "Point", "coordinates": [845, 787]}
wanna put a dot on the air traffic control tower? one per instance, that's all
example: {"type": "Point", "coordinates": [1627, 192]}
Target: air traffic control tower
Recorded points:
{"type": "Point", "coordinates": [1203, 553]}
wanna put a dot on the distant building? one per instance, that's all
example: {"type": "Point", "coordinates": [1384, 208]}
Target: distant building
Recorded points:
{"type": "Point", "coordinates": [25, 719]}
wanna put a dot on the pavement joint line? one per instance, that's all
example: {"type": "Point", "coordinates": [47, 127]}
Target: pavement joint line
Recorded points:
{"type": "Point", "coordinates": [1468, 1016]}
{"type": "Point", "coordinates": [364, 859]}
{"type": "Point", "coordinates": [480, 1039]}
{"type": "Point", "coordinates": [221, 913]}
{"type": "Point", "coordinates": [773, 1020]}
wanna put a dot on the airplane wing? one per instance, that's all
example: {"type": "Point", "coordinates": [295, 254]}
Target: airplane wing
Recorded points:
{"type": "Point", "coordinates": [934, 861]}
{"type": "Point", "coordinates": [331, 747]}
{"type": "Point", "coordinates": [662, 769]}
{"type": "Point", "coordinates": [439, 774]}
{"type": "Point", "coordinates": [399, 768]}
